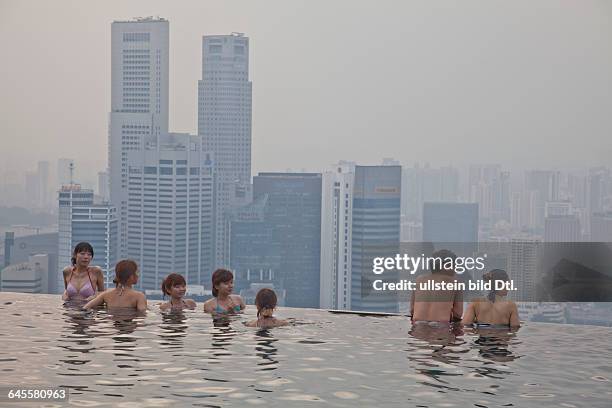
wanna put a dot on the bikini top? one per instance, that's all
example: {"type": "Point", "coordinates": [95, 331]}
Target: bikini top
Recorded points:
{"type": "Point", "coordinates": [219, 309]}
{"type": "Point", "coordinates": [86, 290]}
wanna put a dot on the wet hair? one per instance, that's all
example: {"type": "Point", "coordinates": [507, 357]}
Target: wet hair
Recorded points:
{"type": "Point", "coordinates": [124, 270]}
{"type": "Point", "coordinates": [492, 276]}
{"type": "Point", "coordinates": [172, 280]}
{"type": "Point", "coordinates": [220, 276]}
{"type": "Point", "coordinates": [81, 247]}
{"type": "Point", "coordinates": [265, 300]}
{"type": "Point", "coordinates": [442, 255]}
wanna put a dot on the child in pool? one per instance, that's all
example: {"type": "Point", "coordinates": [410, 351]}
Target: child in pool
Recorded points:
{"type": "Point", "coordinates": [175, 286]}
{"type": "Point", "coordinates": [495, 309]}
{"type": "Point", "coordinates": [223, 301]}
{"type": "Point", "coordinates": [266, 303]}
{"type": "Point", "coordinates": [122, 296]}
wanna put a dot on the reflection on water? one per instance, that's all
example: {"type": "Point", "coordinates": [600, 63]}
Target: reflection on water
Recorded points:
{"type": "Point", "coordinates": [186, 358]}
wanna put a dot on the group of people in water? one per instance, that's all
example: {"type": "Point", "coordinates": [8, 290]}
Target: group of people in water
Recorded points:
{"type": "Point", "coordinates": [86, 283]}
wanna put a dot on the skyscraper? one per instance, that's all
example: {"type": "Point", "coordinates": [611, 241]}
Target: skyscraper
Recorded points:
{"type": "Point", "coordinates": [224, 123]}
{"type": "Point", "coordinates": [160, 182]}
{"type": "Point", "coordinates": [277, 239]}
{"type": "Point", "coordinates": [375, 233]}
{"type": "Point", "coordinates": [139, 103]}
{"type": "Point", "coordinates": [336, 236]}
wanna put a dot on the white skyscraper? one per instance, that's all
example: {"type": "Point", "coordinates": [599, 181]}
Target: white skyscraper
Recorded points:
{"type": "Point", "coordinates": [224, 123]}
{"type": "Point", "coordinates": [160, 182]}
{"type": "Point", "coordinates": [336, 235]}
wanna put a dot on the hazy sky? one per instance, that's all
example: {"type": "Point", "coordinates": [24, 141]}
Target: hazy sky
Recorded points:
{"type": "Point", "coordinates": [523, 83]}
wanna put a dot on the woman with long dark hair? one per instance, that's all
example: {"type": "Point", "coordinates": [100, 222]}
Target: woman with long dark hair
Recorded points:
{"type": "Point", "coordinates": [82, 281]}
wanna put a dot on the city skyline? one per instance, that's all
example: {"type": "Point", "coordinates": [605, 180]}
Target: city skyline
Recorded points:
{"type": "Point", "coordinates": [349, 102]}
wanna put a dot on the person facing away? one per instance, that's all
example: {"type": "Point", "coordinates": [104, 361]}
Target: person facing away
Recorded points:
{"type": "Point", "coordinates": [175, 286]}
{"type": "Point", "coordinates": [495, 309]}
{"type": "Point", "coordinates": [81, 281]}
{"type": "Point", "coordinates": [122, 296]}
{"type": "Point", "coordinates": [442, 306]}
{"type": "Point", "coordinates": [223, 302]}
{"type": "Point", "coordinates": [265, 301]}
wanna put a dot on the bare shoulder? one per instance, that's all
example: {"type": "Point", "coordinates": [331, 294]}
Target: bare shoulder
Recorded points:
{"type": "Point", "coordinates": [252, 323]}
{"type": "Point", "coordinates": [96, 270]}
{"type": "Point", "coordinates": [164, 306]}
{"type": "Point", "coordinates": [190, 303]}
{"type": "Point", "coordinates": [236, 298]}
{"type": "Point", "coordinates": [67, 271]}
{"type": "Point", "coordinates": [208, 305]}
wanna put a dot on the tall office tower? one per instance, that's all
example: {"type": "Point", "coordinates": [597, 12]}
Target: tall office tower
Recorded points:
{"type": "Point", "coordinates": [453, 224]}
{"type": "Point", "coordinates": [601, 227]}
{"type": "Point", "coordinates": [522, 267]}
{"type": "Point", "coordinates": [562, 228]}
{"type": "Point", "coordinates": [336, 238]}
{"type": "Point", "coordinates": [103, 186]}
{"type": "Point", "coordinates": [277, 239]}
{"type": "Point", "coordinates": [545, 185]}
{"type": "Point", "coordinates": [139, 104]}
{"type": "Point", "coordinates": [65, 174]}
{"type": "Point", "coordinates": [224, 123]}
{"type": "Point", "coordinates": [70, 196]}
{"type": "Point", "coordinates": [375, 233]}
{"type": "Point", "coordinates": [577, 190]}
{"type": "Point", "coordinates": [43, 184]}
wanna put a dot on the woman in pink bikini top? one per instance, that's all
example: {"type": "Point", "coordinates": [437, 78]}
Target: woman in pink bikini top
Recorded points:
{"type": "Point", "coordinates": [81, 281]}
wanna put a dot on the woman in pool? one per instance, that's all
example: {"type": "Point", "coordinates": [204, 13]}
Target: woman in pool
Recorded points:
{"type": "Point", "coordinates": [81, 281]}
{"type": "Point", "coordinates": [266, 303]}
{"type": "Point", "coordinates": [122, 296]}
{"type": "Point", "coordinates": [495, 309]}
{"type": "Point", "coordinates": [223, 301]}
{"type": "Point", "coordinates": [175, 286]}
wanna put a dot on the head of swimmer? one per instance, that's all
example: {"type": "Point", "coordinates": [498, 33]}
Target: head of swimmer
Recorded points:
{"type": "Point", "coordinates": [82, 254]}
{"type": "Point", "coordinates": [126, 273]}
{"type": "Point", "coordinates": [493, 276]}
{"type": "Point", "coordinates": [222, 282]}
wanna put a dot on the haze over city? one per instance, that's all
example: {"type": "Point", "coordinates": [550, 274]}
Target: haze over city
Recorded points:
{"type": "Point", "coordinates": [524, 84]}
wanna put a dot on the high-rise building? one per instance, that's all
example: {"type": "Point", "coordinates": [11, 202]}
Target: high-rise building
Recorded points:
{"type": "Point", "coordinates": [336, 238]}
{"type": "Point", "coordinates": [160, 182]}
{"type": "Point", "coordinates": [375, 232]}
{"type": "Point", "coordinates": [43, 184]}
{"type": "Point", "coordinates": [139, 104]}
{"type": "Point", "coordinates": [26, 277]}
{"type": "Point", "coordinates": [277, 239]}
{"type": "Point", "coordinates": [545, 185]}
{"type": "Point", "coordinates": [224, 123]}
{"type": "Point", "coordinates": [452, 223]}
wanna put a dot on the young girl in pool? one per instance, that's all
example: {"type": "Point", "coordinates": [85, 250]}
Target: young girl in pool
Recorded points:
{"type": "Point", "coordinates": [495, 309]}
{"type": "Point", "coordinates": [122, 296]}
{"type": "Point", "coordinates": [223, 301]}
{"type": "Point", "coordinates": [175, 286]}
{"type": "Point", "coordinates": [265, 301]}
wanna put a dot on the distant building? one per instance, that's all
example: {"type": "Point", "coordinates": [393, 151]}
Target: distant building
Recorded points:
{"type": "Point", "coordinates": [21, 248]}
{"type": "Point", "coordinates": [277, 239]}
{"type": "Point", "coordinates": [375, 232]}
{"type": "Point", "coordinates": [336, 238]}
{"type": "Point", "coordinates": [601, 227]}
{"type": "Point", "coordinates": [224, 124]}
{"type": "Point", "coordinates": [26, 277]}
{"type": "Point", "coordinates": [562, 228]}
{"type": "Point", "coordinates": [523, 267]}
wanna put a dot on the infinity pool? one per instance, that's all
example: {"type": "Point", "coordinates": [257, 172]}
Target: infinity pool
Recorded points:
{"type": "Point", "coordinates": [323, 359]}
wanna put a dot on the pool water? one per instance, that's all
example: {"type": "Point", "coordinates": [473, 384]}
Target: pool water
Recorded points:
{"type": "Point", "coordinates": [323, 359]}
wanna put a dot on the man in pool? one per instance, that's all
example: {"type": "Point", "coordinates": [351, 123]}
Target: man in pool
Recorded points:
{"type": "Point", "coordinates": [439, 306]}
